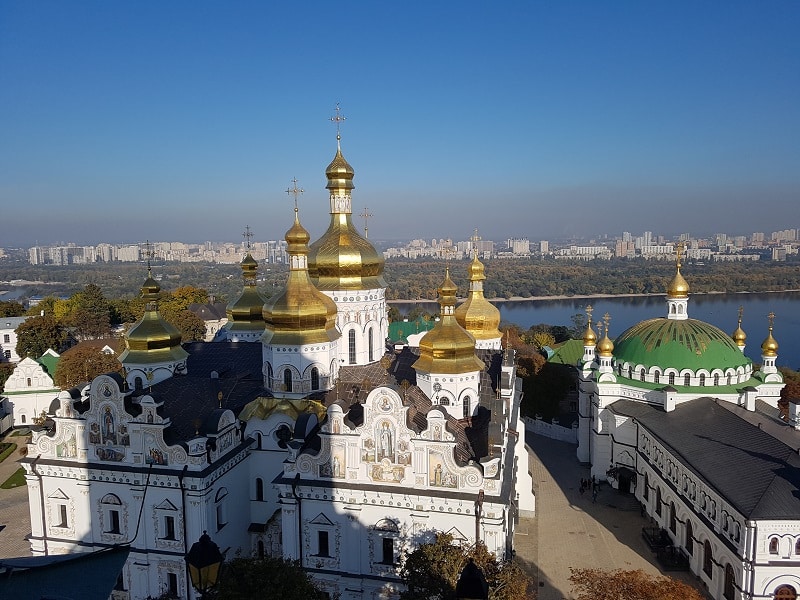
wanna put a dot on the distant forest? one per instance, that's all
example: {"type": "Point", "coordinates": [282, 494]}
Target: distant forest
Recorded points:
{"type": "Point", "coordinates": [419, 279]}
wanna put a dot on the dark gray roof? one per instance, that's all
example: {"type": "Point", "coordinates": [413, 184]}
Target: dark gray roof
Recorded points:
{"type": "Point", "coordinates": [755, 472]}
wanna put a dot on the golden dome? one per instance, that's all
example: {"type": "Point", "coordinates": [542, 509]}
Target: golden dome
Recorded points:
{"type": "Point", "coordinates": [476, 314]}
{"type": "Point", "coordinates": [245, 313]}
{"type": "Point", "coordinates": [739, 336]}
{"type": "Point", "coordinates": [300, 314]}
{"type": "Point", "coordinates": [448, 347]}
{"type": "Point", "coordinates": [589, 336]}
{"type": "Point", "coordinates": [769, 346]}
{"type": "Point", "coordinates": [678, 288]}
{"type": "Point", "coordinates": [342, 259]}
{"type": "Point", "coordinates": [152, 339]}
{"type": "Point", "coordinates": [605, 346]}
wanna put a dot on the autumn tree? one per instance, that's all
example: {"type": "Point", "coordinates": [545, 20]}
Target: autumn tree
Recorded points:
{"type": "Point", "coordinates": [90, 313]}
{"type": "Point", "coordinates": [192, 327]}
{"type": "Point", "coordinates": [11, 308]}
{"type": "Point", "coordinates": [432, 571]}
{"type": "Point", "coordinates": [598, 584]}
{"type": "Point", "coordinates": [37, 334]}
{"type": "Point", "coordinates": [82, 364]}
{"type": "Point", "coordinates": [245, 578]}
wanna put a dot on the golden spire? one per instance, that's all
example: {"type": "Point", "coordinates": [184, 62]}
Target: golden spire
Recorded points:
{"type": "Point", "coordinates": [589, 336]}
{"type": "Point", "coordinates": [448, 347]}
{"type": "Point", "coordinates": [605, 347]}
{"type": "Point", "coordinates": [246, 312]}
{"type": "Point", "coordinates": [678, 288]}
{"type": "Point", "coordinates": [739, 335]}
{"type": "Point", "coordinates": [770, 347]}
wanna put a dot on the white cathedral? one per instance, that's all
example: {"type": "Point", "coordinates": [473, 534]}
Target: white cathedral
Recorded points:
{"type": "Point", "coordinates": [673, 411]}
{"type": "Point", "coordinates": [301, 434]}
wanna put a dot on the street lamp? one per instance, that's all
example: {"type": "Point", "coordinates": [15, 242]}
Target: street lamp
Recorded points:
{"type": "Point", "coordinates": [204, 561]}
{"type": "Point", "coordinates": [471, 584]}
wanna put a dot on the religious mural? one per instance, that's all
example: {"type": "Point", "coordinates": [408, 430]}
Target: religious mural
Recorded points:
{"type": "Point", "coordinates": [68, 448]}
{"type": "Point", "coordinates": [438, 474]}
{"type": "Point", "coordinates": [110, 437]}
{"type": "Point", "coordinates": [335, 467]}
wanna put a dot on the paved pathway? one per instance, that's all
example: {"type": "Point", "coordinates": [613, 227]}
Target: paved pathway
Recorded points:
{"type": "Point", "coordinates": [15, 520]}
{"type": "Point", "coordinates": [569, 530]}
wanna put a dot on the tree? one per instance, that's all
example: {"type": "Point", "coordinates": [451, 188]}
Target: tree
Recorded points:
{"type": "Point", "coordinates": [6, 369]}
{"type": "Point", "coordinates": [91, 312]}
{"type": "Point", "coordinates": [246, 578]}
{"type": "Point", "coordinates": [82, 364]}
{"type": "Point", "coordinates": [37, 334]}
{"type": "Point", "coordinates": [432, 571]}
{"type": "Point", "coordinates": [192, 327]}
{"type": "Point", "coordinates": [597, 584]}
{"type": "Point", "coordinates": [11, 308]}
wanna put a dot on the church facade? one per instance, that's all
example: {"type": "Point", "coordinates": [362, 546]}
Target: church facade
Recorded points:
{"type": "Point", "coordinates": [301, 434]}
{"type": "Point", "coordinates": [675, 413]}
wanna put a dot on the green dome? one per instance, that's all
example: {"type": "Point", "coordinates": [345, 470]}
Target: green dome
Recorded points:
{"type": "Point", "coordinates": [679, 344]}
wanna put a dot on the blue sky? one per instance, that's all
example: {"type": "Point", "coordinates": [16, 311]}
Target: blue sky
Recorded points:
{"type": "Point", "coordinates": [126, 121]}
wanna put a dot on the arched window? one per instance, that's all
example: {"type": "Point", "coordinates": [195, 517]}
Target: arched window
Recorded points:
{"type": "Point", "coordinates": [314, 378]}
{"type": "Point", "coordinates": [672, 378]}
{"type": "Point", "coordinates": [24, 419]}
{"type": "Point", "coordinates": [708, 559]}
{"type": "Point", "coordinates": [773, 545]}
{"type": "Point", "coordinates": [702, 378]}
{"type": "Point", "coordinates": [269, 376]}
{"type": "Point", "coordinates": [444, 401]}
{"type": "Point", "coordinates": [673, 521]}
{"type": "Point", "coordinates": [260, 549]}
{"type": "Point", "coordinates": [111, 513]}
{"type": "Point", "coordinates": [646, 491]}
{"type": "Point", "coordinates": [716, 378]}
{"type": "Point", "coordinates": [221, 509]}
{"type": "Point", "coordinates": [467, 407]}
{"type": "Point", "coordinates": [657, 376]}
{"type": "Point", "coordinates": [641, 375]}
{"type": "Point", "coordinates": [351, 338]}
{"type": "Point", "coordinates": [287, 380]}
{"type": "Point", "coordinates": [689, 538]}
{"type": "Point", "coordinates": [259, 489]}
{"type": "Point", "coordinates": [786, 592]}
{"type": "Point", "coordinates": [370, 342]}
{"type": "Point", "coordinates": [658, 501]}
{"type": "Point", "coordinates": [797, 547]}
{"type": "Point", "coordinates": [730, 583]}
{"type": "Point", "coordinates": [29, 382]}
{"type": "Point", "coordinates": [687, 379]}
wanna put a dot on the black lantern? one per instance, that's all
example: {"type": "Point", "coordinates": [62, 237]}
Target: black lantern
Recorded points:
{"type": "Point", "coordinates": [471, 584]}
{"type": "Point", "coordinates": [204, 560]}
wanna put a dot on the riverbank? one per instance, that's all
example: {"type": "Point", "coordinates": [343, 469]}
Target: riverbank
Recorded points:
{"type": "Point", "coordinates": [591, 296]}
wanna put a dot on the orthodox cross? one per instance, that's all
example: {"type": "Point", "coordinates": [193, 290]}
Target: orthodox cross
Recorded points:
{"type": "Point", "coordinates": [247, 235]}
{"type": "Point", "coordinates": [366, 215]}
{"type": "Point", "coordinates": [338, 118]}
{"type": "Point", "coordinates": [679, 252]}
{"type": "Point", "coordinates": [771, 317]}
{"type": "Point", "coordinates": [606, 320]}
{"type": "Point", "coordinates": [295, 191]}
{"type": "Point", "coordinates": [589, 311]}
{"type": "Point", "coordinates": [149, 253]}
{"type": "Point", "coordinates": [475, 239]}
{"type": "Point", "coordinates": [741, 312]}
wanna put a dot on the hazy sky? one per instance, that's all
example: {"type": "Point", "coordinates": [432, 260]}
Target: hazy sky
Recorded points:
{"type": "Point", "coordinates": [125, 121]}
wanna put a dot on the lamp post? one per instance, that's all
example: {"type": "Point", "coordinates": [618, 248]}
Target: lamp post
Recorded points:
{"type": "Point", "coordinates": [204, 560]}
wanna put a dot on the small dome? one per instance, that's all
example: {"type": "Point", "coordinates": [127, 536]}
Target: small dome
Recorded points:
{"type": "Point", "coordinates": [605, 347]}
{"type": "Point", "coordinates": [476, 270]}
{"type": "Point", "coordinates": [678, 287]}
{"type": "Point", "coordinates": [739, 336]}
{"type": "Point", "coordinates": [769, 346]}
{"type": "Point", "coordinates": [340, 174]}
{"type": "Point", "coordinates": [297, 237]}
{"type": "Point", "coordinates": [589, 336]}
{"type": "Point", "coordinates": [476, 314]}
{"type": "Point", "coordinates": [245, 313]}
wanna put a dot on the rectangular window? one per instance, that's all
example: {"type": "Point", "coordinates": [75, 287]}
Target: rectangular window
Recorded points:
{"type": "Point", "coordinates": [322, 539]}
{"type": "Point", "coordinates": [6, 338]}
{"type": "Point", "coordinates": [388, 551]}
{"type": "Point", "coordinates": [169, 528]}
{"type": "Point", "coordinates": [172, 585]}
{"type": "Point", "coordinates": [62, 513]}
{"type": "Point", "coordinates": [113, 521]}
{"type": "Point", "coordinates": [7, 354]}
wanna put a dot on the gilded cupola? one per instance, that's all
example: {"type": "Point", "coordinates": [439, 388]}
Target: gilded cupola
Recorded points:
{"type": "Point", "coordinates": [448, 347]}
{"type": "Point", "coordinates": [300, 314]}
{"type": "Point", "coordinates": [152, 340]}
{"type": "Point", "coordinates": [739, 336]}
{"type": "Point", "coordinates": [589, 336]}
{"type": "Point", "coordinates": [605, 347]}
{"type": "Point", "coordinates": [476, 314]}
{"type": "Point", "coordinates": [678, 288]}
{"type": "Point", "coordinates": [342, 259]}
{"type": "Point", "coordinates": [769, 347]}
{"type": "Point", "coordinates": [246, 312]}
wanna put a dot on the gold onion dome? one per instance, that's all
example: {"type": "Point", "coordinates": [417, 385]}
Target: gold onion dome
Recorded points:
{"type": "Point", "coordinates": [589, 336]}
{"type": "Point", "coordinates": [476, 314]}
{"type": "Point", "coordinates": [342, 259]}
{"type": "Point", "coordinates": [769, 346]}
{"type": "Point", "coordinates": [152, 339]}
{"type": "Point", "coordinates": [448, 347]}
{"type": "Point", "coordinates": [247, 310]}
{"type": "Point", "coordinates": [739, 336]}
{"type": "Point", "coordinates": [678, 288]}
{"type": "Point", "coordinates": [300, 314]}
{"type": "Point", "coordinates": [605, 346]}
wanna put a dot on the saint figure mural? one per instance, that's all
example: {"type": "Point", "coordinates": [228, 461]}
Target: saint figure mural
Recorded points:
{"type": "Point", "coordinates": [385, 442]}
{"type": "Point", "coordinates": [109, 432]}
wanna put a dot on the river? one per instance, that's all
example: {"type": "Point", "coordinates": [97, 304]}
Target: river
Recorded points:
{"type": "Point", "coordinates": [718, 309]}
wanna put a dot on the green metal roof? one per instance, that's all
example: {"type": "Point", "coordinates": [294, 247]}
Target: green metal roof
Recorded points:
{"type": "Point", "coordinates": [400, 330]}
{"type": "Point", "coordinates": [49, 362]}
{"type": "Point", "coordinates": [567, 353]}
{"type": "Point", "coordinates": [680, 344]}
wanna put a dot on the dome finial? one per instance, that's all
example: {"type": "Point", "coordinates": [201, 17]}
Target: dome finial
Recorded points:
{"type": "Point", "coordinates": [739, 335]}
{"type": "Point", "coordinates": [678, 288]}
{"type": "Point", "coordinates": [589, 336]}
{"type": "Point", "coordinates": [606, 347]}
{"type": "Point", "coordinates": [770, 346]}
{"type": "Point", "coordinates": [338, 118]}
{"type": "Point", "coordinates": [247, 235]}
{"type": "Point", "coordinates": [295, 191]}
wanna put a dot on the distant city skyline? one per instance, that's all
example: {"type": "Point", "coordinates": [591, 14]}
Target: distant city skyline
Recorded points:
{"type": "Point", "coordinates": [187, 121]}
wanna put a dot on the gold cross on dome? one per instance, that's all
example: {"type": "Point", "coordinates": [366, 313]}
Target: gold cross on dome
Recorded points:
{"type": "Point", "coordinates": [338, 118]}
{"type": "Point", "coordinates": [606, 320]}
{"type": "Point", "coordinates": [589, 311]}
{"type": "Point", "coordinates": [366, 215]}
{"type": "Point", "coordinates": [771, 317]}
{"type": "Point", "coordinates": [295, 191]}
{"type": "Point", "coordinates": [475, 239]}
{"type": "Point", "coordinates": [247, 235]}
